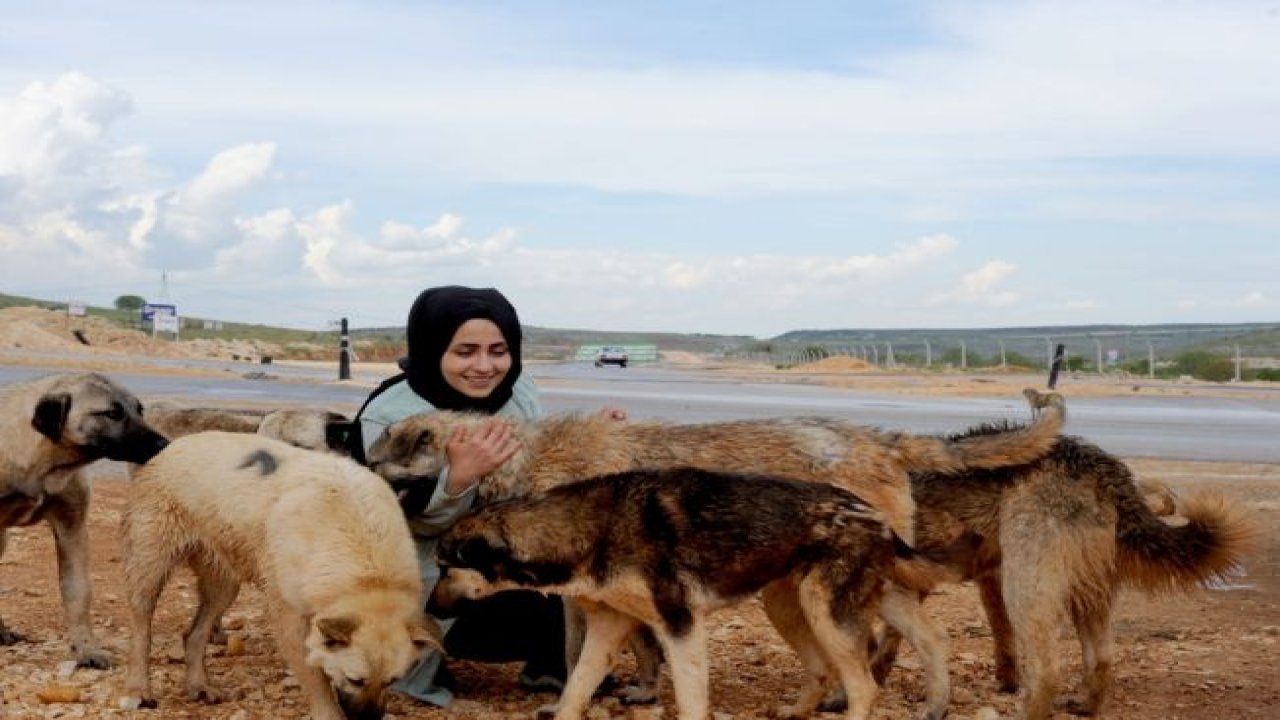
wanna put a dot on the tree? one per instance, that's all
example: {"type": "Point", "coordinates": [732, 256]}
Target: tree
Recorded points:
{"type": "Point", "coordinates": [130, 302]}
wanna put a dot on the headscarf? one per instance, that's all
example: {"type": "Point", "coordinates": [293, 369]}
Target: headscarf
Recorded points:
{"type": "Point", "coordinates": [433, 320]}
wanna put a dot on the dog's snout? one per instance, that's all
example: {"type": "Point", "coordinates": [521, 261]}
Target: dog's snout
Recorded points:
{"type": "Point", "coordinates": [359, 707]}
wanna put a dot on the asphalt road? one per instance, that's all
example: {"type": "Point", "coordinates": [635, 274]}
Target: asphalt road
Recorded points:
{"type": "Point", "coordinates": [1172, 427]}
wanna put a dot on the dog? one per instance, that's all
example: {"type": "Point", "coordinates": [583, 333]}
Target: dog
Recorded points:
{"type": "Point", "coordinates": [51, 428]}
{"type": "Point", "coordinates": [667, 547]}
{"type": "Point", "coordinates": [870, 462]}
{"type": "Point", "coordinates": [1038, 401]}
{"type": "Point", "coordinates": [1058, 537]}
{"type": "Point", "coordinates": [322, 536]}
{"type": "Point", "coordinates": [307, 428]}
{"type": "Point", "coordinates": [174, 421]}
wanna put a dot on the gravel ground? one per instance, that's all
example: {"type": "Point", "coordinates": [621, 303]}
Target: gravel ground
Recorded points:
{"type": "Point", "coordinates": [1209, 654]}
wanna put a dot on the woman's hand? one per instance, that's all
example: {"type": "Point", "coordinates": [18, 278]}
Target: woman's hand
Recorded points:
{"type": "Point", "coordinates": [610, 412]}
{"type": "Point", "coordinates": [477, 451]}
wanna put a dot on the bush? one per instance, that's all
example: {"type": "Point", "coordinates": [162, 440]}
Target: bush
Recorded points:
{"type": "Point", "coordinates": [1268, 374]}
{"type": "Point", "coordinates": [1204, 365]}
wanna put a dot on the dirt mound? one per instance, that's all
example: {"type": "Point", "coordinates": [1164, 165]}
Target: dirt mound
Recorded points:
{"type": "Point", "coordinates": [835, 363]}
{"type": "Point", "coordinates": [34, 329]}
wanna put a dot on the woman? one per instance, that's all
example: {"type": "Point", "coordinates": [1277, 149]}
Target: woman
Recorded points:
{"type": "Point", "coordinates": [464, 354]}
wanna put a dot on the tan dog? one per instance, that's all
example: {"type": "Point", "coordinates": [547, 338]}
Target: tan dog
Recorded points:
{"type": "Point", "coordinates": [323, 537]}
{"type": "Point", "coordinates": [1058, 538]}
{"type": "Point", "coordinates": [50, 428]}
{"type": "Point", "coordinates": [871, 463]}
{"type": "Point", "coordinates": [667, 547]}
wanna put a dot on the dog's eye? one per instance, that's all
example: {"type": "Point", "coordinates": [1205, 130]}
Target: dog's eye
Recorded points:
{"type": "Point", "coordinates": [115, 413]}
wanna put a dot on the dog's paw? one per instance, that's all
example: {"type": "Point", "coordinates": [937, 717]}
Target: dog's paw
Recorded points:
{"type": "Point", "coordinates": [202, 694]}
{"type": "Point", "coordinates": [129, 703]}
{"type": "Point", "coordinates": [1078, 707]}
{"type": "Point", "coordinates": [638, 695]}
{"type": "Point", "coordinates": [9, 637]}
{"type": "Point", "coordinates": [94, 657]}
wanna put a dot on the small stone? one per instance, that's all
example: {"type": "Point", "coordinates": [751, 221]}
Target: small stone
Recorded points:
{"type": "Point", "coordinates": [66, 669]}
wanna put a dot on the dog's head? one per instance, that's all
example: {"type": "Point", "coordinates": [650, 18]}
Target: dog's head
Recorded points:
{"type": "Point", "coordinates": [367, 641]}
{"type": "Point", "coordinates": [505, 558]}
{"type": "Point", "coordinates": [96, 418]}
{"type": "Point", "coordinates": [415, 446]}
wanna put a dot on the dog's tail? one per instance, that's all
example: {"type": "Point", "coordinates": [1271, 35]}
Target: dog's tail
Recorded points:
{"type": "Point", "coordinates": [922, 571]}
{"type": "Point", "coordinates": [1204, 544]}
{"type": "Point", "coordinates": [986, 448]}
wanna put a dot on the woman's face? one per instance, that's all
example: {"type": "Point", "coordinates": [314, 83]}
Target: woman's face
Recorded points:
{"type": "Point", "coordinates": [477, 359]}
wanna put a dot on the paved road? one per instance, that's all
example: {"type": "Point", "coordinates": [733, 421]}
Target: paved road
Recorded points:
{"type": "Point", "coordinates": [1174, 427]}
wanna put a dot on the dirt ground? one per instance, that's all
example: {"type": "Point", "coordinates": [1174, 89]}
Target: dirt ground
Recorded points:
{"type": "Point", "coordinates": [1209, 654]}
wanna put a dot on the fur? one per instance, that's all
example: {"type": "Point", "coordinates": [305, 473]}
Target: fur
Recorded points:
{"type": "Point", "coordinates": [323, 537]}
{"type": "Point", "coordinates": [51, 428]}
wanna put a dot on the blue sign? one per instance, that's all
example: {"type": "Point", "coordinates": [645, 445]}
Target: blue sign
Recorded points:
{"type": "Point", "coordinates": [150, 310]}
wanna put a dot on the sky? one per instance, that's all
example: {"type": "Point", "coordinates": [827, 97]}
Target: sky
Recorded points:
{"type": "Point", "coordinates": [727, 167]}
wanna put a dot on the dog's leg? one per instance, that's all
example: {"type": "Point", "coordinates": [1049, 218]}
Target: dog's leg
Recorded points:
{"type": "Point", "coordinates": [1093, 624]}
{"type": "Point", "coordinates": [7, 636]}
{"type": "Point", "coordinates": [606, 630]}
{"type": "Point", "coordinates": [291, 637]}
{"type": "Point", "coordinates": [575, 623]}
{"type": "Point", "coordinates": [216, 593]}
{"type": "Point", "coordinates": [150, 553]}
{"type": "Point", "coordinates": [687, 655]}
{"type": "Point", "coordinates": [71, 538]}
{"type": "Point", "coordinates": [1035, 595]}
{"type": "Point", "coordinates": [643, 689]}
{"type": "Point", "coordinates": [843, 639]}
{"type": "Point", "coordinates": [1001, 631]}
{"type": "Point", "coordinates": [901, 608]}
{"type": "Point", "coordinates": [782, 606]}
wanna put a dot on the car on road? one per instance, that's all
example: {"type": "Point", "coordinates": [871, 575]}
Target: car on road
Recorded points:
{"type": "Point", "coordinates": [611, 355]}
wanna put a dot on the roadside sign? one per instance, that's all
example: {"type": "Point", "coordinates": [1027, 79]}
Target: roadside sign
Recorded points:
{"type": "Point", "coordinates": [151, 310]}
{"type": "Point", "coordinates": [76, 308]}
{"type": "Point", "coordinates": [165, 322]}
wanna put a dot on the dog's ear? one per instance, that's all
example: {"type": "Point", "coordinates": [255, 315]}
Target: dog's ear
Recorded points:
{"type": "Point", "coordinates": [51, 414]}
{"type": "Point", "coordinates": [426, 635]}
{"type": "Point", "coordinates": [337, 631]}
{"type": "Point", "coordinates": [479, 554]}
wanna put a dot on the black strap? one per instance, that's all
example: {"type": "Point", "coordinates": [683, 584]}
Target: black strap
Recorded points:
{"type": "Point", "coordinates": [355, 438]}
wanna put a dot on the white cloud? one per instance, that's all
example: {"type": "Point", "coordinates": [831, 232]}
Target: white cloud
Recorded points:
{"type": "Point", "coordinates": [1253, 299]}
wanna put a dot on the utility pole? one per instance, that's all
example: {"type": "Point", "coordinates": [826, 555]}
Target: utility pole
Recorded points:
{"type": "Point", "coordinates": [1151, 360]}
{"type": "Point", "coordinates": [1098, 342]}
{"type": "Point", "coordinates": [964, 356]}
{"type": "Point", "coordinates": [928, 354]}
{"type": "Point", "coordinates": [344, 353]}
{"type": "Point", "coordinates": [1003, 363]}
{"type": "Point", "coordinates": [1238, 361]}
{"type": "Point", "coordinates": [1059, 357]}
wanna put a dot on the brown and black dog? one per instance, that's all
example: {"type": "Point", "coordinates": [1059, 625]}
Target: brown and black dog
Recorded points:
{"type": "Point", "coordinates": [665, 548]}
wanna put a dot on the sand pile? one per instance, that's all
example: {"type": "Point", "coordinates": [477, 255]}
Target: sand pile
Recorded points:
{"type": "Point", "coordinates": [34, 329]}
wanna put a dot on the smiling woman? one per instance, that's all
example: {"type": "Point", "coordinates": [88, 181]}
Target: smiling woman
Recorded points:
{"type": "Point", "coordinates": [464, 354]}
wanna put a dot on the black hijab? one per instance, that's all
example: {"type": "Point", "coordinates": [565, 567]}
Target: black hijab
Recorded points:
{"type": "Point", "coordinates": [433, 320]}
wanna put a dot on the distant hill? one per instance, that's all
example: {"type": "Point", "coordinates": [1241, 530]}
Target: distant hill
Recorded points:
{"type": "Point", "coordinates": [1254, 339]}
{"type": "Point", "coordinates": [1035, 342]}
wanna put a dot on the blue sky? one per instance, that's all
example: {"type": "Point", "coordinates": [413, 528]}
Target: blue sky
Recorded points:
{"type": "Point", "coordinates": [719, 167]}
